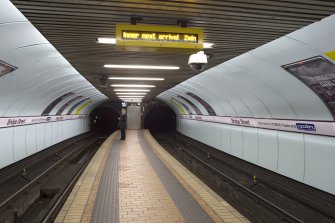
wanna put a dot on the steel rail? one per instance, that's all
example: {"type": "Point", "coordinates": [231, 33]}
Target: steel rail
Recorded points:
{"type": "Point", "coordinates": [34, 181]}
{"type": "Point", "coordinates": [282, 214]}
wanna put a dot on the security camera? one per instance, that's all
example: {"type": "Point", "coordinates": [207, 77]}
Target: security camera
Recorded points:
{"type": "Point", "coordinates": [103, 82]}
{"type": "Point", "coordinates": [197, 61]}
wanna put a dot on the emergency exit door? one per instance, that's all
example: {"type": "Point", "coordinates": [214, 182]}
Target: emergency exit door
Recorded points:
{"type": "Point", "coordinates": [133, 117]}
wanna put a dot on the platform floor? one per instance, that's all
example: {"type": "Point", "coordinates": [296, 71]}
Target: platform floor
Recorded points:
{"type": "Point", "coordinates": [136, 180]}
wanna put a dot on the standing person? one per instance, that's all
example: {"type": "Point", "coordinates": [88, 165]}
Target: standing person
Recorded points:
{"type": "Point", "coordinates": [123, 124]}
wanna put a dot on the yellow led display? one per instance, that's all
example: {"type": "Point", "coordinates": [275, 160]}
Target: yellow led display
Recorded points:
{"type": "Point", "coordinates": [331, 54]}
{"type": "Point", "coordinates": [158, 36]}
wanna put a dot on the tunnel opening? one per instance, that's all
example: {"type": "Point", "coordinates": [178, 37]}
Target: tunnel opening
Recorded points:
{"type": "Point", "coordinates": [160, 119]}
{"type": "Point", "coordinates": [104, 121]}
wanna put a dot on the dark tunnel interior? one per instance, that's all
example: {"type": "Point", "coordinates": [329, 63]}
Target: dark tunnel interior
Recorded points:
{"type": "Point", "coordinates": [104, 120]}
{"type": "Point", "coordinates": [160, 119]}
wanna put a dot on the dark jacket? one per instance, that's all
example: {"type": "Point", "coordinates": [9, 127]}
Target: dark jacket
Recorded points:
{"type": "Point", "coordinates": [122, 122]}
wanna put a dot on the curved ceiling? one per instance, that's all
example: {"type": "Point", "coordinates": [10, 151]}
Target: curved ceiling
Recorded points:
{"type": "Point", "coordinates": [235, 26]}
{"type": "Point", "coordinates": [256, 85]}
{"type": "Point", "coordinates": [42, 77]}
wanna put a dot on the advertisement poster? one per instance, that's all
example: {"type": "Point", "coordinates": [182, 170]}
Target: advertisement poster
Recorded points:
{"type": "Point", "coordinates": [208, 108]}
{"type": "Point", "coordinates": [6, 68]}
{"type": "Point", "coordinates": [319, 74]}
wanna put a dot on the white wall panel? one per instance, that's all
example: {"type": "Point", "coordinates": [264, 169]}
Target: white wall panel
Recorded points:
{"type": "Point", "coordinates": [54, 133]}
{"type": "Point", "coordinates": [320, 165]}
{"type": "Point", "coordinates": [42, 75]}
{"type": "Point", "coordinates": [250, 148]}
{"type": "Point", "coordinates": [8, 13]}
{"type": "Point", "coordinates": [236, 141]}
{"type": "Point", "coordinates": [268, 149]}
{"type": "Point", "coordinates": [31, 144]}
{"type": "Point", "coordinates": [47, 135]}
{"type": "Point", "coordinates": [6, 147]}
{"type": "Point", "coordinates": [19, 140]}
{"type": "Point", "coordinates": [225, 138]}
{"type": "Point", "coordinates": [315, 32]}
{"type": "Point", "coordinates": [40, 137]}
{"type": "Point", "coordinates": [60, 131]}
{"type": "Point", "coordinates": [216, 135]}
{"type": "Point", "coordinates": [255, 85]}
{"type": "Point", "coordinates": [14, 33]}
{"type": "Point", "coordinates": [291, 160]}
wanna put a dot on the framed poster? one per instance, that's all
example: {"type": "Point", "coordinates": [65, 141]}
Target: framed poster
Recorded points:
{"type": "Point", "coordinates": [318, 73]}
{"type": "Point", "coordinates": [6, 68]}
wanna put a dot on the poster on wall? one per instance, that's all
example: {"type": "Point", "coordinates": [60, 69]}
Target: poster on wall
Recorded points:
{"type": "Point", "coordinates": [318, 73]}
{"type": "Point", "coordinates": [6, 68]}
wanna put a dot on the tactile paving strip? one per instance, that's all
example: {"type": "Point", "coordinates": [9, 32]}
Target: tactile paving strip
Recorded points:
{"type": "Point", "coordinates": [106, 206]}
{"type": "Point", "coordinates": [187, 205]}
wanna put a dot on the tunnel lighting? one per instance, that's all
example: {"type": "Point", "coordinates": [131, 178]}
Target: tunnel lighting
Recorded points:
{"type": "Point", "coordinates": [132, 93]}
{"type": "Point", "coordinates": [132, 90]}
{"type": "Point", "coordinates": [141, 67]}
{"type": "Point", "coordinates": [138, 78]}
{"type": "Point", "coordinates": [132, 85]}
{"type": "Point", "coordinates": [208, 45]}
{"type": "Point", "coordinates": [106, 40]}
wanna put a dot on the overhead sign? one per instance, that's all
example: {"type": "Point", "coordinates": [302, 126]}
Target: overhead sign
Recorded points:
{"type": "Point", "coordinates": [159, 36]}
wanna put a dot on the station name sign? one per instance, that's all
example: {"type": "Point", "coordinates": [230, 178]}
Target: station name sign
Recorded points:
{"type": "Point", "coordinates": [158, 36]}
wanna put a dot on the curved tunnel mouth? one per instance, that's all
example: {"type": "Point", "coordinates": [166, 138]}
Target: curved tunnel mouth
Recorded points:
{"type": "Point", "coordinates": [160, 119]}
{"type": "Point", "coordinates": [104, 121]}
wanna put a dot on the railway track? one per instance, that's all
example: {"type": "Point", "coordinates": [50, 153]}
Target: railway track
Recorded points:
{"type": "Point", "coordinates": [261, 195]}
{"type": "Point", "coordinates": [33, 190]}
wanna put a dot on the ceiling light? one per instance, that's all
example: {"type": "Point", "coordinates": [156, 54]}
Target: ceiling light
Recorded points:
{"type": "Point", "coordinates": [132, 90]}
{"type": "Point", "coordinates": [131, 96]}
{"type": "Point", "coordinates": [141, 67]}
{"type": "Point", "coordinates": [138, 99]}
{"type": "Point", "coordinates": [137, 78]}
{"type": "Point", "coordinates": [106, 40]}
{"type": "Point", "coordinates": [208, 45]}
{"type": "Point", "coordinates": [134, 93]}
{"type": "Point", "coordinates": [132, 85]}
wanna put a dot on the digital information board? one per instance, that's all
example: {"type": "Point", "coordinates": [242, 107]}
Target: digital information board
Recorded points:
{"type": "Point", "coordinates": [159, 36]}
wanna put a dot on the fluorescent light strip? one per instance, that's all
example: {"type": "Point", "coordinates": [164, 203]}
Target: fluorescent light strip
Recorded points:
{"type": "Point", "coordinates": [132, 85]}
{"type": "Point", "coordinates": [141, 67]}
{"type": "Point", "coordinates": [106, 40]}
{"type": "Point", "coordinates": [137, 99]}
{"type": "Point", "coordinates": [131, 96]}
{"type": "Point", "coordinates": [208, 45]}
{"type": "Point", "coordinates": [133, 93]}
{"type": "Point", "coordinates": [132, 90]}
{"type": "Point", "coordinates": [138, 78]}
{"type": "Point", "coordinates": [113, 41]}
